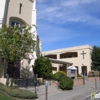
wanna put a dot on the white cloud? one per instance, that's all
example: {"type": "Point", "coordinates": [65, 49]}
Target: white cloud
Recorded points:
{"type": "Point", "coordinates": [74, 3]}
{"type": "Point", "coordinates": [63, 11]}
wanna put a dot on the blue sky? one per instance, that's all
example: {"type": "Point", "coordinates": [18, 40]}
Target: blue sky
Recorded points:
{"type": "Point", "coordinates": [68, 23]}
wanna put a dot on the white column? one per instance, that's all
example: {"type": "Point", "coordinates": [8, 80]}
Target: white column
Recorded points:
{"type": "Point", "coordinates": [2, 9]}
{"type": "Point", "coordinates": [33, 20]}
{"type": "Point", "coordinates": [40, 45]}
{"type": "Point", "coordinates": [0, 23]}
{"type": "Point", "coordinates": [58, 56]}
{"type": "Point", "coordinates": [33, 30]}
{"type": "Point", "coordinates": [58, 67]}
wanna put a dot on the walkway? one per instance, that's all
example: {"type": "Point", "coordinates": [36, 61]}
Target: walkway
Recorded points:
{"type": "Point", "coordinates": [78, 92]}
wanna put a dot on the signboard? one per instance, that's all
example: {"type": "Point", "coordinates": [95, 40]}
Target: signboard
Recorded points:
{"type": "Point", "coordinates": [72, 73]}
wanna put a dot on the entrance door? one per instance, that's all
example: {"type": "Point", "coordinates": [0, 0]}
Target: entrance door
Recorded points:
{"type": "Point", "coordinates": [63, 68]}
{"type": "Point", "coordinates": [77, 69]}
{"type": "Point", "coordinates": [84, 70]}
{"type": "Point", "coordinates": [14, 69]}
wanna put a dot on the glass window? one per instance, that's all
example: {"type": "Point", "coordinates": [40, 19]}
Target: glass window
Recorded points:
{"type": "Point", "coordinates": [14, 23]}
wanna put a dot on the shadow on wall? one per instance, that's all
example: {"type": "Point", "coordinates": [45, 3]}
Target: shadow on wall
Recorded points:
{"type": "Point", "coordinates": [26, 73]}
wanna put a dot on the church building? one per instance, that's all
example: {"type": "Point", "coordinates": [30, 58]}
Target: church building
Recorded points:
{"type": "Point", "coordinates": [79, 56]}
{"type": "Point", "coordinates": [20, 12]}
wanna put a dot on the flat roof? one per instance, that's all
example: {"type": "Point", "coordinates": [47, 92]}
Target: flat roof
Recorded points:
{"type": "Point", "coordinates": [69, 49]}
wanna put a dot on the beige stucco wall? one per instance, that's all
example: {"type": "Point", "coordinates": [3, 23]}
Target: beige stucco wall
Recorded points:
{"type": "Point", "coordinates": [55, 65]}
{"type": "Point", "coordinates": [77, 61]}
{"type": "Point", "coordinates": [26, 12]}
{"type": "Point", "coordinates": [25, 17]}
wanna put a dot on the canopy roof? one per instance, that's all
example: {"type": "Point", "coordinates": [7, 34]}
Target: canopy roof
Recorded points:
{"type": "Point", "coordinates": [72, 68]}
{"type": "Point", "coordinates": [59, 61]}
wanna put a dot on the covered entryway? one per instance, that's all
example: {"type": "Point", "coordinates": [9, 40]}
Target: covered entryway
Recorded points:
{"type": "Point", "coordinates": [59, 65]}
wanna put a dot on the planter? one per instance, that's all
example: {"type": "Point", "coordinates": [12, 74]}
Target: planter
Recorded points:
{"type": "Point", "coordinates": [78, 82]}
{"type": "Point", "coordinates": [93, 79]}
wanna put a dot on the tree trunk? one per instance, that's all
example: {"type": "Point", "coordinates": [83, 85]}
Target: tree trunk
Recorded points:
{"type": "Point", "coordinates": [7, 80]}
{"type": "Point", "coordinates": [12, 81]}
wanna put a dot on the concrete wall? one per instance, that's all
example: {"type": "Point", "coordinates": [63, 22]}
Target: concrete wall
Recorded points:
{"type": "Point", "coordinates": [92, 79]}
{"type": "Point", "coordinates": [78, 82]}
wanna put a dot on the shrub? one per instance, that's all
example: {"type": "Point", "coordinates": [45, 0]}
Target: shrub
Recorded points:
{"type": "Point", "coordinates": [93, 73]}
{"type": "Point", "coordinates": [42, 67]}
{"type": "Point", "coordinates": [79, 76]}
{"type": "Point", "coordinates": [57, 76]}
{"type": "Point", "coordinates": [49, 76]}
{"type": "Point", "coordinates": [66, 83]}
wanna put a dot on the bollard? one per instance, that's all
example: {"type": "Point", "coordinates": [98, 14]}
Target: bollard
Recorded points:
{"type": "Point", "coordinates": [95, 83]}
{"type": "Point", "coordinates": [46, 90]}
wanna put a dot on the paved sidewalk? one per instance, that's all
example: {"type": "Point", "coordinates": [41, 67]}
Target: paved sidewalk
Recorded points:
{"type": "Point", "coordinates": [78, 92]}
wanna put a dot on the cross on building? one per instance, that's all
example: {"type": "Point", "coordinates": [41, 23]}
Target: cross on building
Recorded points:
{"type": "Point", "coordinates": [83, 53]}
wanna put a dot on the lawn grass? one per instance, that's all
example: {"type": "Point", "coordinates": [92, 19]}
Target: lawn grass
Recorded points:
{"type": "Point", "coordinates": [17, 93]}
{"type": "Point", "coordinates": [4, 97]}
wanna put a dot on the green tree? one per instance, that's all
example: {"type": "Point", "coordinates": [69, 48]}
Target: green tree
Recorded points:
{"type": "Point", "coordinates": [16, 43]}
{"type": "Point", "coordinates": [43, 67]}
{"type": "Point", "coordinates": [95, 57]}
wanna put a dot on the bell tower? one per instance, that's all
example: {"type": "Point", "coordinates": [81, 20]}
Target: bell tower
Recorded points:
{"type": "Point", "coordinates": [21, 12]}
